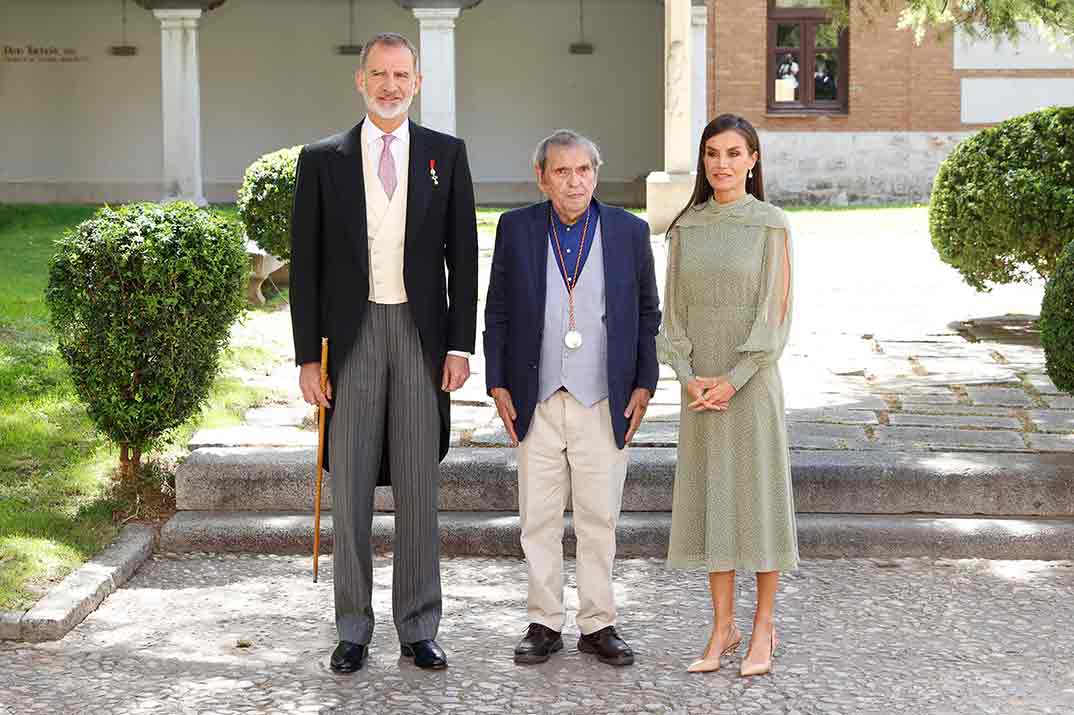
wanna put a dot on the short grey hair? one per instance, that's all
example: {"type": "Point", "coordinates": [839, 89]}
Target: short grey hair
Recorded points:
{"type": "Point", "coordinates": [388, 39]}
{"type": "Point", "coordinates": [566, 138]}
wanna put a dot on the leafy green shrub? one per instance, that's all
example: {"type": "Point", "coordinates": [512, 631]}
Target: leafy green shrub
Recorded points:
{"type": "Point", "coordinates": [1002, 205]}
{"type": "Point", "coordinates": [1057, 322]}
{"type": "Point", "coordinates": [265, 199]}
{"type": "Point", "coordinates": [142, 299]}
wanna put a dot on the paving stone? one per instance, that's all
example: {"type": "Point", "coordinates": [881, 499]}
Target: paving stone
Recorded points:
{"type": "Point", "coordinates": [961, 371]}
{"type": "Point", "coordinates": [914, 399]}
{"type": "Point", "coordinates": [910, 419]}
{"type": "Point", "coordinates": [810, 435]}
{"type": "Point", "coordinates": [1052, 420]}
{"type": "Point", "coordinates": [491, 436]}
{"type": "Point", "coordinates": [1060, 402]}
{"type": "Point", "coordinates": [833, 415]}
{"type": "Point", "coordinates": [934, 349]}
{"type": "Point", "coordinates": [1052, 442]}
{"type": "Point", "coordinates": [925, 437]}
{"type": "Point", "coordinates": [1042, 384]}
{"type": "Point", "coordinates": [279, 416]}
{"type": "Point", "coordinates": [959, 409]}
{"type": "Point", "coordinates": [1003, 396]}
{"type": "Point", "coordinates": [656, 434]}
{"type": "Point", "coordinates": [10, 626]}
{"type": "Point", "coordinates": [850, 642]}
{"type": "Point", "coordinates": [797, 398]}
{"type": "Point", "coordinates": [253, 436]}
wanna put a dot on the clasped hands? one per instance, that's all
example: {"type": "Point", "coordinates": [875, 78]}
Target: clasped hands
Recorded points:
{"type": "Point", "coordinates": [709, 393]}
{"type": "Point", "coordinates": [456, 372]}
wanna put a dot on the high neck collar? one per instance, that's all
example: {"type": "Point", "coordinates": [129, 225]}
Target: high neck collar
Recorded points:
{"type": "Point", "coordinates": [743, 200]}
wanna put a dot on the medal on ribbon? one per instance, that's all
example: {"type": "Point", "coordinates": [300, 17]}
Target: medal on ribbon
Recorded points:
{"type": "Point", "coordinates": [573, 338]}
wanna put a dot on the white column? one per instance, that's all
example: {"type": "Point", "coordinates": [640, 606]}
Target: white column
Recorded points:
{"type": "Point", "coordinates": [667, 191]}
{"type": "Point", "coordinates": [181, 100]}
{"type": "Point", "coordinates": [700, 70]}
{"type": "Point", "coordinates": [437, 48]}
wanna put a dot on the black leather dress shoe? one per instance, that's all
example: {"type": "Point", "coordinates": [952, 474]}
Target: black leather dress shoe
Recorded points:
{"type": "Point", "coordinates": [608, 647]}
{"type": "Point", "coordinates": [539, 643]}
{"type": "Point", "coordinates": [348, 657]}
{"type": "Point", "coordinates": [426, 654]}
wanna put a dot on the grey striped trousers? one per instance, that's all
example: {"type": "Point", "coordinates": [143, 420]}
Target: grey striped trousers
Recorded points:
{"type": "Point", "coordinates": [384, 384]}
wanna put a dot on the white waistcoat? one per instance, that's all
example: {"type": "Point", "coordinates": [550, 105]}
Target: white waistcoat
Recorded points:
{"type": "Point", "coordinates": [386, 225]}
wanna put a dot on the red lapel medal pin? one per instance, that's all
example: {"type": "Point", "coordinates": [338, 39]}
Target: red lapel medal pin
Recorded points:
{"type": "Point", "coordinates": [432, 172]}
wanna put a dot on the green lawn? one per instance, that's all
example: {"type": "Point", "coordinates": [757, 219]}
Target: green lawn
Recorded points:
{"type": "Point", "coordinates": [58, 504]}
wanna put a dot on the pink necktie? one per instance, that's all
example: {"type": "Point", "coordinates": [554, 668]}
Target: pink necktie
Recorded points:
{"type": "Point", "coordinates": [386, 170]}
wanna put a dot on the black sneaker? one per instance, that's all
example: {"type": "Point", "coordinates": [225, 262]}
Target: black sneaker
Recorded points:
{"type": "Point", "coordinates": [539, 643]}
{"type": "Point", "coordinates": [608, 647]}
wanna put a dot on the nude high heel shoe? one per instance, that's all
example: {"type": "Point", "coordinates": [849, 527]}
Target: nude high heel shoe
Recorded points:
{"type": "Point", "coordinates": [748, 669]}
{"type": "Point", "coordinates": [710, 664]}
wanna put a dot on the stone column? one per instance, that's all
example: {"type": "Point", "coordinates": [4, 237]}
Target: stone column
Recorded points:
{"type": "Point", "coordinates": [181, 104]}
{"type": "Point", "coordinates": [700, 70]}
{"type": "Point", "coordinates": [437, 48]}
{"type": "Point", "coordinates": [667, 191]}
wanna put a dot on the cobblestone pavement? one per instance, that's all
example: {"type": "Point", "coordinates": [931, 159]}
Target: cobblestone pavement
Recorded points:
{"type": "Point", "coordinates": [251, 634]}
{"type": "Point", "coordinates": [873, 362]}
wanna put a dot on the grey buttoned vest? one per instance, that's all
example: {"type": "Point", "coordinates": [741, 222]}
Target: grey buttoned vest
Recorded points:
{"type": "Point", "coordinates": [584, 372]}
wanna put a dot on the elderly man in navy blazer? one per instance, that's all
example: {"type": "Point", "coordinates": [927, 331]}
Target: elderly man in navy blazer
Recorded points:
{"type": "Point", "coordinates": [570, 348]}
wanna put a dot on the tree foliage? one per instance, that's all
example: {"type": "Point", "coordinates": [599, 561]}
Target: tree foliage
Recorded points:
{"type": "Point", "coordinates": [999, 19]}
{"type": "Point", "coordinates": [1057, 322]}
{"type": "Point", "coordinates": [265, 200]}
{"type": "Point", "coordinates": [1002, 205]}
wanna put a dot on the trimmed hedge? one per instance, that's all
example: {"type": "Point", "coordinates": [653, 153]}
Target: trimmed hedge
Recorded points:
{"type": "Point", "coordinates": [265, 200]}
{"type": "Point", "coordinates": [1057, 322]}
{"type": "Point", "coordinates": [142, 300]}
{"type": "Point", "coordinates": [1002, 206]}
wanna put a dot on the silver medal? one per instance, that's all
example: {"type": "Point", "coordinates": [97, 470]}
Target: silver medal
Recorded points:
{"type": "Point", "coordinates": [573, 339]}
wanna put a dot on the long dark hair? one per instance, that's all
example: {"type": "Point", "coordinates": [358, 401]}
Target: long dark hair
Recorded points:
{"type": "Point", "coordinates": [702, 188]}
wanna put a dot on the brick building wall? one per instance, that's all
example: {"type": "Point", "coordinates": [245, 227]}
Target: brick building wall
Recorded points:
{"type": "Point", "coordinates": [904, 117]}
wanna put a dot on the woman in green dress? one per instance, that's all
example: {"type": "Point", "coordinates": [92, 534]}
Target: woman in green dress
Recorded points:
{"type": "Point", "coordinates": [727, 314]}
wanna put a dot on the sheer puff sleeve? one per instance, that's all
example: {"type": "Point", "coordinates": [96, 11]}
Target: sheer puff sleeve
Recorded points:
{"type": "Point", "coordinates": [672, 344]}
{"type": "Point", "coordinates": [772, 322]}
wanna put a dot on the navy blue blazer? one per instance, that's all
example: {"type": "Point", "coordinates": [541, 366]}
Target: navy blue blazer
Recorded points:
{"type": "Point", "coordinates": [514, 309]}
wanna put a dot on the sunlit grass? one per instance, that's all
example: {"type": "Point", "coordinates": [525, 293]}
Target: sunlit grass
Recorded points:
{"type": "Point", "coordinates": [58, 503]}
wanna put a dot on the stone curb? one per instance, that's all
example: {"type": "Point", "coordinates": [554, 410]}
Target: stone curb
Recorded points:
{"type": "Point", "coordinates": [645, 535]}
{"type": "Point", "coordinates": [825, 481]}
{"type": "Point", "coordinates": [78, 595]}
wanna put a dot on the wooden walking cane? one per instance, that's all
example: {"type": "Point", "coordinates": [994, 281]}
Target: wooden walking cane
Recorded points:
{"type": "Point", "coordinates": [320, 460]}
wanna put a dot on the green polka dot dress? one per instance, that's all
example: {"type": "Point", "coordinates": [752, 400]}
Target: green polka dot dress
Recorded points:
{"type": "Point", "coordinates": [727, 312]}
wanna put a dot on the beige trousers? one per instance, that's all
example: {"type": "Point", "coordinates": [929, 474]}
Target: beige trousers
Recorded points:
{"type": "Point", "coordinates": [570, 450]}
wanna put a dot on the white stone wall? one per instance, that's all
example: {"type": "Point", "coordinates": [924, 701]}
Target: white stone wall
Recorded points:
{"type": "Point", "coordinates": [518, 84]}
{"type": "Point", "coordinates": [96, 121]}
{"type": "Point", "coordinates": [994, 99]}
{"type": "Point", "coordinates": [841, 168]}
{"type": "Point", "coordinates": [91, 130]}
{"type": "Point", "coordinates": [1033, 51]}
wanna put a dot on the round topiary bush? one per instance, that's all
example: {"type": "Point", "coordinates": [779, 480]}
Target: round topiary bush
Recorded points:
{"type": "Point", "coordinates": [1057, 322]}
{"type": "Point", "coordinates": [142, 299]}
{"type": "Point", "coordinates": [1002, 206]}
{"type": "Point", "coordinates": [265, 199]}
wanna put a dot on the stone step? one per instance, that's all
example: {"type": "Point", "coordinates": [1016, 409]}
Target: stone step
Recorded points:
{"type": "Point", "coordinates": [644, 535]}
{"type": "Point", "coordinates": [825, 481]}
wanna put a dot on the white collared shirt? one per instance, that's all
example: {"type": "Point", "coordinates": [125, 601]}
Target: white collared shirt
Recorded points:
{"type": "Point", "coordinates": [371, 137]}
